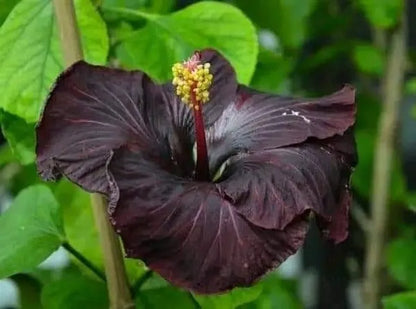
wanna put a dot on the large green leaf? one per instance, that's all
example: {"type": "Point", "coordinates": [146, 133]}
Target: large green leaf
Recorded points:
{"type": "Point", "coordinates": [401, 258]}
{"type": "Point", "coordinates": [73, 291]}
{"type": "Point", "coordinates": [172, 38]}
{"type": "Point", "coordinates": [230, 300]}
{"type": "Point", "coordinates": [382, 13]}
{"type": "Point", "coordinates": [29, 231]}
{"type": "Point", "coordinates": [31, 56]}
{"type": "Point", "coordinates": [5, 7]}
{"type": "Point", "coordinates": [20, 136]}
{"type": "Point", "coordinates": [405, 300]}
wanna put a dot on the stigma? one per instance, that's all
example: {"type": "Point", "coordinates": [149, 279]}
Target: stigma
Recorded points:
{"type": "Point", "coordinates": [192, 80]}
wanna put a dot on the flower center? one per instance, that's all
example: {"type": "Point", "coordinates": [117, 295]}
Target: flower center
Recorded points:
{"type": "Point", "coordinates": [192, 80]}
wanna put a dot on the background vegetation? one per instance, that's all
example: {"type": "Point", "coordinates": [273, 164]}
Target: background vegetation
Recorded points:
{"type": "Point", "coordinates": [295, 47]}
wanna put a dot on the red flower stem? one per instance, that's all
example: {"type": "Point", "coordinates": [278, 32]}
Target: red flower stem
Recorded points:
{"type": "Point", "coordinates": [202, 166]}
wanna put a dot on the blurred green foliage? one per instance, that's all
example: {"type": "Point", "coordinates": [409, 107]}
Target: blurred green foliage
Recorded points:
{"type": "Point", "coordinates": [302, 47]}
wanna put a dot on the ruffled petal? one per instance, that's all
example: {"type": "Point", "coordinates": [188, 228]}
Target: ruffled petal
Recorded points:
{"type": "Point", "coordinates": [91, 111]}
{"type": "Point", "coordinates": [188, 233]}
{"type": "Point", "coordinates": [256, 121]}
{"type": "Point", "coordinates": [271, 188]}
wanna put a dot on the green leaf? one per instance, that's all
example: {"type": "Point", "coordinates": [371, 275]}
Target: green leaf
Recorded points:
{"type": "Point", "coordinates": [276, 293]}
{"type": "Point", "coordinates": [29, 231]}
{"type": "Point", "coordinates": [5, 7]}
{"type": "Point", "coordinates": [165, 297]}
{"type": "Point", "coordinates": [20, 136]}
{"type": "Point", "coordinates": [151, 6]}
{"type": "Point", "coordinates": [31, 56]}
{"type": "Point", "coordinates": [369, 59]}
{"type": "Point", "coordinates": [73, 291]}
{"type": "Point", "coordinates": [382, 13]}
{"type": "Point", "coordinates": [172, 38]}
{"type": "Point", "coordinates": [405, 300]}
{"type": "Point", "coordinates": [230, 300]}
{"type": "Point", "coordinates": [401, 258]}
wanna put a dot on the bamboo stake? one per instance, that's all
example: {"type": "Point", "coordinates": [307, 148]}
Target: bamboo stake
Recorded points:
{"type": "Point", "coordinates": [117, 283]}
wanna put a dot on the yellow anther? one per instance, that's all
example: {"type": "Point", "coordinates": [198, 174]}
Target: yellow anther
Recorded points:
{"type": "Point", "coordinates": [192, 81]}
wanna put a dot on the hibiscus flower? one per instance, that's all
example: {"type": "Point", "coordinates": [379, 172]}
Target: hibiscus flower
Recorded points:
{"type": "Point", "coordinates": [209, 182]}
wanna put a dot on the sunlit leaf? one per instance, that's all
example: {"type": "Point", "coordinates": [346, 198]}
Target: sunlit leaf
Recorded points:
{"type": "Point", "coordinates": [31, 56]}
{"type": "Point", "coordinates": [29, 231]}
{"type": "Point", "coordinates": [151, 6]}
{"type": "Point", "coordinates": [171, 38]}
{"type": "Point", "coordinates": [5, 7]}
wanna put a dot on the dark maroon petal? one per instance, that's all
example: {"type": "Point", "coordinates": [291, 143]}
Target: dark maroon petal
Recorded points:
{"type": "Point", "coordinates": [224, 86]}
{"type": "Point", "coordinates": [271, 188]}
{"type": "Point", "coordinates": [176, 124]}
{"type": "Point", "coordinates": [91, 111]}
{"type": "Point", "coordinates": [188, 233]}
{"type": "Point", "coordinates": [257, 121]}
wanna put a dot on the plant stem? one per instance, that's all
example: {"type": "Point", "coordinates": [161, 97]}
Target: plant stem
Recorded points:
{"type": "Point", "coordinates": [117, 283]}
{"type": "Point", "coordinates": [84, 260]}
{"type": "Point", "coordinates": [391, 94]}
{"type": "Point", "coordinates": [68, 31]}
